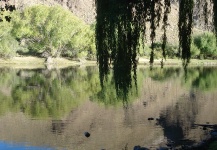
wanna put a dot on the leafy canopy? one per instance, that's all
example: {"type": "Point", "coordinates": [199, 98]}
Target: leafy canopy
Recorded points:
{"type": "Point", "coordinates": [206, 43]}
{"type": "Point", "coordinates": [50, 30]}
{"type": "Point", "coordinates": [8, 45]}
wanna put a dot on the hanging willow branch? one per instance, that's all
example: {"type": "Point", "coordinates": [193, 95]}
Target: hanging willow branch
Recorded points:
{"type": "Point", "coordinates": [167, 10]}
{"type": "Point", "coordinates": [121, 24]}
{"type": "Point", "coordinates": [185, 29]}
{"type": "Point", "coordinates": [155, 16]}
{"type": "Point", "coordinates": [205, 12]}
{"type": "Point", "coordinates": [215, 17]}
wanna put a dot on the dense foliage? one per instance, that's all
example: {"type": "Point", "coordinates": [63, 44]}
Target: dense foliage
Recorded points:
{"type": "Point", "coordinates": [121, 24]}
{"type": "Point", "coordinates": [52, 31]}
{"type": "Point", "coordinates": [171, 51]}
{"type": "Point", "coordinates": [120, 33]}
{"type": "Point", "coordinates": [8, 44]}
{"type": "Point", "coordinates": [203, 46]}
{"type": "Point", "coordinates": [46, 31]}
{"type": "Point", "coordinates": [206, 44]}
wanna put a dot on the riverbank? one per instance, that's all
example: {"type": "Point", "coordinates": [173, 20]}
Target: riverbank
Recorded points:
{"type": "Point", "coordinates": [36, 62]}
{"type": "Point", "coordinates": [193, 62]}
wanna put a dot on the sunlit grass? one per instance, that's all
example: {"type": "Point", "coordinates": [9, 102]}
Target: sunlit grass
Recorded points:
{"type": "Point", "coordinates": [31, 62]}
{"type": "Point", "coordinates": [178, 62]}
{"type": "Point", "coordinates": [37, 62]}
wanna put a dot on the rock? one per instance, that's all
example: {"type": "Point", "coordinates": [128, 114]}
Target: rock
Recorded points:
{"type": "Point", "coordinates": [87, 134]}
{"type": "Point", "coordinates": [144, 104]}
{"type": "Point", "coordinates": [139, 148]}
{"type": "Point", "coordinates": [169, 145]}
{"type": "Point", "coordinates": [150, 118]}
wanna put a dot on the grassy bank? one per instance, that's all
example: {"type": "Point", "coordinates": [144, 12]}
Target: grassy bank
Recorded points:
{"type": "Point", "coordinates": [193, 62]}
{"type": "Point", "coordinates": [36, 62]}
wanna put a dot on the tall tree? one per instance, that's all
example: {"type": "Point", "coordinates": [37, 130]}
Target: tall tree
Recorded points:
{"type": "Point", "coordinates": [121, 24]}
{"type": "Point", "coordinates": [49, 31]}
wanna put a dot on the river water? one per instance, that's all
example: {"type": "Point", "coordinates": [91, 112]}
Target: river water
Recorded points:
{"type": "Point", "coordinates": [52, 109]}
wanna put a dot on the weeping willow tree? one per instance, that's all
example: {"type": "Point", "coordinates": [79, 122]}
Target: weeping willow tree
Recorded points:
{"type": "Point", "coordinates": [121, 24]}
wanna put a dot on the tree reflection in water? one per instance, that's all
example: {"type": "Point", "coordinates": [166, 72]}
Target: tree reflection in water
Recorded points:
{"type": "Point", "coordinates": [43, 93]}
{"type": "Point", "coordinates": [53, 93]}
{"type": "Point", "coordinates": [56, 94]}
{"type": "Point", "coordinates": [109, 95]}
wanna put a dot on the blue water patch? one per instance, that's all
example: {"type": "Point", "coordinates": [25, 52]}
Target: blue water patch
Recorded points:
{"type": "Point", "coordinates": [20, 146]}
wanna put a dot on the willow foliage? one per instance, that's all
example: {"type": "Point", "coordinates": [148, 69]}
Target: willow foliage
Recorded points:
{"type": "Point", "coordinates": [215, 16]}
{"type": "Point", "coordinates": [185, 29]}
{"type": "Point", "coordinates": [121, 24]}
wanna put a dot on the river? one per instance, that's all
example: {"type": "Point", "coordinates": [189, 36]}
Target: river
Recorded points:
{"type": "Point", "coordinates": [52, 109]}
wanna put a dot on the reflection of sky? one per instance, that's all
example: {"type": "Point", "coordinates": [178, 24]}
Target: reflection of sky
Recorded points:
{"type": "Point", "coordinates": [11, 146]}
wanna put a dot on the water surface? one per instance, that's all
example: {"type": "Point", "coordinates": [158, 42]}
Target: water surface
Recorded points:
{"type": "Point", "coordinates": [52, 108]}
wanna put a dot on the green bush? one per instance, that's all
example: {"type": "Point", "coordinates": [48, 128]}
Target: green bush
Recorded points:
{"type": "Point", "coordinates": [52, 31]}
{"type": "Point", "coordinates": [82, 44]}
{"type": "Point", "coordinates": [195, 51]}
{"type": "Point", "coordinates": [171, 50]}
{"type": "Point", "coordinates": [206, 44]}
{"type": "Point", "coordinates": [144, 50]}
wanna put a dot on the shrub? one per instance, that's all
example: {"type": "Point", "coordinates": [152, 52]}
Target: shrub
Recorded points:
{"type": "Point", "coordinates": [8, 45]}
{"type": "Point", "coordinates": [206, 43]}
{"type": "Point", "coordinates": [51, 31]}
{"type": "Point", "coordinates": [171, 50]}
